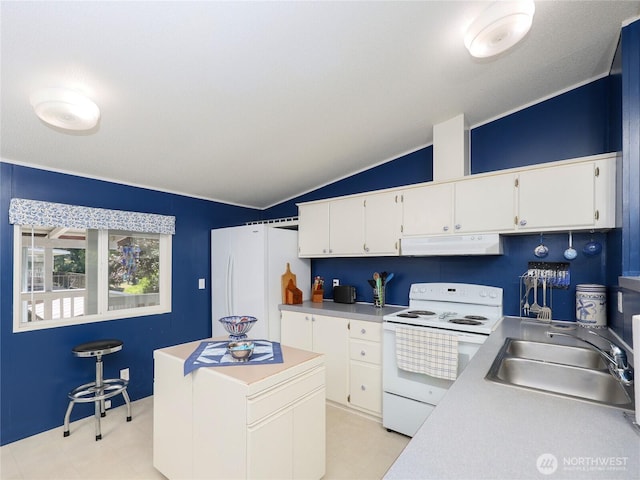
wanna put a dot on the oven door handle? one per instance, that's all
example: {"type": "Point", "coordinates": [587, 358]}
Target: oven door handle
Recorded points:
{"type": "Point", "coordinates": [463, 337]}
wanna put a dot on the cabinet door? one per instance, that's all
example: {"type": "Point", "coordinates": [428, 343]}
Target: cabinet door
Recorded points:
{"type": "Point", "coordinates": [427, 210]}
{"type": "Point", "coordinates": [606, 193]}
{"type": "Point", "coordinates": [366, 386]}
{"type": "Point", "coordinates": [346, 226]}
{"type": "Point", "coordinates": [560, 197]}
{"type": "Point", "coordinates": [270, 447]}
{"type": "Point", "coordinates": [485, 204]}
{"type": "Point", "coordinates": [382, 223]}
{"type": "Point", "coordinates": [309, 437]}
{"type": "Point", "coordinates": [172, 417]}
{"type": "Point", "coordinates": [296, 330]}
{"type": "Point", "coordinates": [331, 337]}
{"type": "Point", "coordinates": [313, 229]}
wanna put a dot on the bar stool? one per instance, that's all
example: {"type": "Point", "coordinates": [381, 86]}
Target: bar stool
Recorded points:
{"type": "Point", "coordinates": [101, 389]}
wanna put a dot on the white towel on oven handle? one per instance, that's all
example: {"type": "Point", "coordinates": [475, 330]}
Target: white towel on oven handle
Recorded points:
{"type": "Point", "coordinates": [427, 352]}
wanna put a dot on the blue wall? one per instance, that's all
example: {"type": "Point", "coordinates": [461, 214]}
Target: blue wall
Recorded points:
{"type": "Point", "coordinates": [37, 368]}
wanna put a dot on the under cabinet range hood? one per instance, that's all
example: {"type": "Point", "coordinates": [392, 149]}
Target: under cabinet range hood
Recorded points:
{"type": "Point", "coordinates": [476, 244]}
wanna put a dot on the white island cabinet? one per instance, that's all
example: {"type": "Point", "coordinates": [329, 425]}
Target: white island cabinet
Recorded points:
{"type": "Point", "coordinates": [241, 421]}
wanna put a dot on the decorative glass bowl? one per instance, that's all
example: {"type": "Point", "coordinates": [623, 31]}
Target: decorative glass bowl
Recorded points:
{"type": "Point", "coordinates": [241, 350]}
{"type": "Point", "coordinates": [238, 326]}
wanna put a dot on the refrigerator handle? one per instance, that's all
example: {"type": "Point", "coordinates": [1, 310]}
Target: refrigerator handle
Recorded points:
{"type": "Point", "coordinates": [229, 285]}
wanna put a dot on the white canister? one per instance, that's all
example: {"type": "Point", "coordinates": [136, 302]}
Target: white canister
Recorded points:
{"type": "Point", "coordinates": [591, 305]}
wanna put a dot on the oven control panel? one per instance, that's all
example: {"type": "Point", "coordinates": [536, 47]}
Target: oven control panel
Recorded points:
{"type": "Point", "coordinates": [456, 292]}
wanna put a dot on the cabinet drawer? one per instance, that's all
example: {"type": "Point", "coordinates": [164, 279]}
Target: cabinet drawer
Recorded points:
{"type": "Point", "coordinates": [265, 403]}
{"type": "Point", "coordinates": [366, 386]}
{"type": "Point", "coordinates": [371, 331]}
{"type": "Point", "coordinates": [364, 351]}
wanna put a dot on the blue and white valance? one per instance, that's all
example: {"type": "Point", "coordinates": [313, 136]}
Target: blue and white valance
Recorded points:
{"type": "Point", "coordinates": [48, 214]}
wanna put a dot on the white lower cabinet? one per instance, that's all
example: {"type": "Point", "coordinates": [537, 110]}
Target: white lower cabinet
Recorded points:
{"type": "Point", "coordinates": [290, 443]}
{"type": "Point", "coordinates": [365, 365]}
{"type": "Point", "coordinates": [322, 334]}
{"type": "Point", "coordinates": [236, 422]}
{"type": "Point", "coordinates": [353, 356]}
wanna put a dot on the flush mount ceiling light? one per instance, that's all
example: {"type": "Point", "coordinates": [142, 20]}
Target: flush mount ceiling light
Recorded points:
{"type": "Point", "coordinates": [499, 27]}
{"type": "Point", "coordinates": [65, 108]}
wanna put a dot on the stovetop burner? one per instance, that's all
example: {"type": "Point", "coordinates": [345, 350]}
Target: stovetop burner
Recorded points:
{"type": "Point", "coordinates": [465, 321]}
{"type": "Point", "coordinates": [421, 312]}
{"type": "Point", "coordinates": [408, 315]}
{"type": "Point", "coordinates": [476, 317]}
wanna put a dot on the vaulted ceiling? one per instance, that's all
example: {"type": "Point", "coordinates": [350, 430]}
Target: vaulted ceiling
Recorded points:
{"type": "Point", "coordinates": [254, 103]}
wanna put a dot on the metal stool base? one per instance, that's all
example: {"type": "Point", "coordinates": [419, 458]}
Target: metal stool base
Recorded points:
{"type": "Point", "coordinates": [100, 390]}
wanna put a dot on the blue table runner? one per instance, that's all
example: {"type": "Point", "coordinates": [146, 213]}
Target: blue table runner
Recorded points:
{"type": "Point", "coordinates": [214, 354]}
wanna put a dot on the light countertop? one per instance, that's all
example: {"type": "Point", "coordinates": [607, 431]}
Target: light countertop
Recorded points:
{"type": "Point", "coordinates": [246, 373]}
{"type": "Point", "coordinates": [354, 311]}
{"type": "Point", "coordinates": [484, 430]}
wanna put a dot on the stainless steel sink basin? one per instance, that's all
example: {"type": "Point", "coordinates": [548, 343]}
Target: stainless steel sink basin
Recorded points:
{"type": "Point", "coordinates": [567, 371]}
{"type": "Point", "coordinates": [554, 353]}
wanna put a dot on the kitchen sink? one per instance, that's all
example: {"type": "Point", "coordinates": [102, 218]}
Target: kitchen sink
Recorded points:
{"type": "Point", "coordinates": [567, 371]}
{"type": "Point", "coordinates": [554, 353]}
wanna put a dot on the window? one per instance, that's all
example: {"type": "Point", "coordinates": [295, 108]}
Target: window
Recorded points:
{"type": "Point", "coordinates": [65, 275]}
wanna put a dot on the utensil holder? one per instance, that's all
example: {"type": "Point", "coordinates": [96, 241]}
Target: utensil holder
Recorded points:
{"type": "Point", "coordinates": [317, 296]}
{"type": "Point", "coordinates": [379, 297]}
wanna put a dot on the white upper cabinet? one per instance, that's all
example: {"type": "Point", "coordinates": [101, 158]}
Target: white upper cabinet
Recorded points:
{"type": "Point", "coordinates": [351, 226]}
{"type": "Point", "coordinates": [565, 197]}
{"type": "Point", "coordinates": [470, 205]}
{"type": "Point", "coordinates": [560, 196]}
{"type": "Point", "coordinates": [485, 204]}
{"type": "Point", "coordinates": [313, 231]}
{"type": "Point", "coordinates": [428, 209]}
{"type": "Point", "coordinates": [346, 226]}
{"type": "Point", "coordinates": [382, 222]}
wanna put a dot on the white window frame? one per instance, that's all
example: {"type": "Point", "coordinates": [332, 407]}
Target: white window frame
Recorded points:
{"type": "Point", "coordinates": [103, 287]}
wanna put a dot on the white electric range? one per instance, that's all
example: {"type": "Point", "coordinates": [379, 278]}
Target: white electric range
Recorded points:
{"type": "Point", "coordinates": [465, 311]}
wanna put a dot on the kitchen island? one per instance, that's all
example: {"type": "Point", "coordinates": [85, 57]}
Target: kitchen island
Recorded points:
{"type": "Point", "coordinates": [485, 430]}
{"type": "Point", "coordinates": [239, 421]}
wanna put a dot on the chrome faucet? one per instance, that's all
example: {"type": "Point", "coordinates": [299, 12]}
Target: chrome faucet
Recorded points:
{"type": "Point", "coordinates": [617, 357]}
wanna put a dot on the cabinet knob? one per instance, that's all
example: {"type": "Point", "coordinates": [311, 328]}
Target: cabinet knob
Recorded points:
{"type": "Point", "coordinates": [363, 331]}
{"type": "Point", "coordinates": [458, 226]}
{"type": "Point", "coordinates": [523, 222]}
{"type": "Point", "coordinates": [363, 353]}
{"type": "Point", "coordinates": [363, 388]}
{"type": "Point", "coordinates": [445, 228]}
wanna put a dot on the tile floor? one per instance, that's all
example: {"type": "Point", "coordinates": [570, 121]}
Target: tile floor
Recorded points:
{"type": "Point", "coordinates": [357, 448]}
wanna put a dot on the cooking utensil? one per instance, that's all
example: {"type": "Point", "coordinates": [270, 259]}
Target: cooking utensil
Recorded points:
{"type": "Point", "coordinates": [544, 314]}
{"type": "Point", "coordinates": [535, 308]}
{"type": "Point", "coordinates": [570, 253]}
{"type": "Point", "coordinates": [592, 248]}
{"type": "Point", "coordinates": [528, 282]}
{"type": "Point", "coordinates": [541, 250]}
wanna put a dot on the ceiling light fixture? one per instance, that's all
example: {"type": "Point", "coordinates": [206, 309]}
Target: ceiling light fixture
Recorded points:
{"type": "Point", "coordinates": [65, 109]}
{"type": "Point", "coordinates": [499, 27]}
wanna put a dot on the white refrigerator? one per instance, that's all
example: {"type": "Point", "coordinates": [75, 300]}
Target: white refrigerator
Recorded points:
{"type": "Point", "coordinates": [247, 264]}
